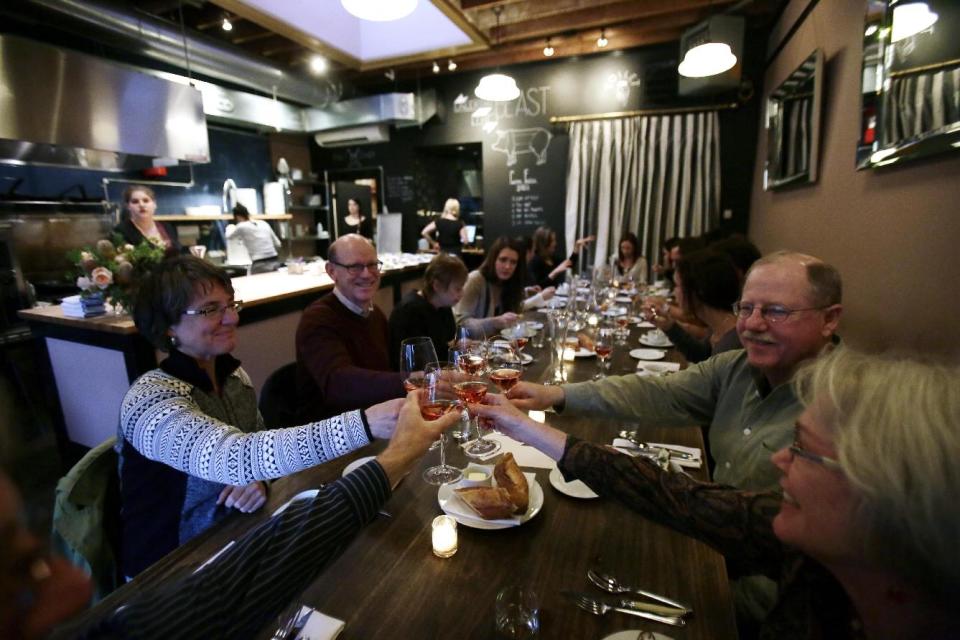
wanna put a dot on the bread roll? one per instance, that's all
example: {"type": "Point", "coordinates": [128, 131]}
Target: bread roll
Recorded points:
{"type": "Point", "coordinates": [492, 503]}
{"type": "Point", "coordinates": [509, 477]}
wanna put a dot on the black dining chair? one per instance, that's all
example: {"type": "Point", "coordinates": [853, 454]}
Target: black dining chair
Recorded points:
{"type": "Point", "coordinates": [278, 397]}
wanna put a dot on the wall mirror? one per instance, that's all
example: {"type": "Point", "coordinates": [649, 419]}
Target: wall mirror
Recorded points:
{"type": "Point", "coordinates": [910, 81]}
{"type": "Point", "coordinates": [793, 126]}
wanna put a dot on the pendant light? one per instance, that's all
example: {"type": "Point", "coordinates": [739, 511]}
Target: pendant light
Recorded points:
{"type": "Point", "coordinates": [911, 18]}
{"type": "Point", "coordinates": [379, 10]}
{"type": "Point", "coordinates": [497, 87]}
{"type": "Point", "coordinates": [707, 59]}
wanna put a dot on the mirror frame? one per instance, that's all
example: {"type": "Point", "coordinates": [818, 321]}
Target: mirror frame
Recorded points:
{"type": "Point", "coordinates": [773, 177]}
{"type": "Point", "coordinates": [875, 79]}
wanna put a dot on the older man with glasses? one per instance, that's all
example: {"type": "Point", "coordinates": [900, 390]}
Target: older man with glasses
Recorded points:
{"type": "Point", "coordinates": [342, 339]}
{"type": "Point", "coordinates": [788, 312]}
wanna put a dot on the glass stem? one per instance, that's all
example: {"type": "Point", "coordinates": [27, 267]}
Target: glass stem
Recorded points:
{"type": "Point", "coordinates": [443, 450]}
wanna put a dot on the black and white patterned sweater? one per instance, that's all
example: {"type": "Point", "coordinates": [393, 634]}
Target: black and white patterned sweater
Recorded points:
{"type": "Point", "coordinates": [180, 443]}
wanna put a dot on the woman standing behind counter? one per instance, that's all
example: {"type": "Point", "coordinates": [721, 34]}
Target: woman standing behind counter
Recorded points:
{"type": "Point", "coordinates": [139, 224]}
{"type": "Point", "coordinates": [450, 230]}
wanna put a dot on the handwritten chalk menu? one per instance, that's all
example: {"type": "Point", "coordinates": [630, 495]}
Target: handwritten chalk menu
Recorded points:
{"type": "Point", "coordinates": [526, 211]}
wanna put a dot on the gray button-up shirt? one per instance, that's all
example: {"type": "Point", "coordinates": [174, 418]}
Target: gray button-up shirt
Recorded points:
{"type": "Point", "coordinates": [724, 392]}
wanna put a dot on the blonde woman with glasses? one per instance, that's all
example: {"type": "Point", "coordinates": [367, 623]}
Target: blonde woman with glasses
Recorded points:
{"type": "Point", "coordinates": [862, 536]}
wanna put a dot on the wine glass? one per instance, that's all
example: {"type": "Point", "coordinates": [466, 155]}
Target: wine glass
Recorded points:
{"type": "Point", "coordinates": [438, 396]}
{"type": "Point", "coordinates": [470, 386]}
{"type": "Point", "coordinates": [504, 363]}
{"type": "Point", "coordinates": [467, 338]}
{"type": "Point", "coordinates": [415, 355]}
{"type": "Point", "coordinates": [621, 317]}
{"type": "Point", "coordinates": [603, 347]}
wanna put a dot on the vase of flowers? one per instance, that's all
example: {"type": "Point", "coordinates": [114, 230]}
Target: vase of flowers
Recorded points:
{"type": "Point", "coordinates": [112, 268]}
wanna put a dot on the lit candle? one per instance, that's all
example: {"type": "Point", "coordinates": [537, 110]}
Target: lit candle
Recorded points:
{"type": "Point", "coordinates": [444, 536]}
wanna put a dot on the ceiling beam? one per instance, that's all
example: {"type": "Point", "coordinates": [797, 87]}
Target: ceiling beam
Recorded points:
{"type": "Point", "coordinates": [661, 14]}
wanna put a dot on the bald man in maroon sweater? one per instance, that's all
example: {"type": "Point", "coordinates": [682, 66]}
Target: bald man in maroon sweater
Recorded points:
{"type": "Point", "coordinates": [342, 358]}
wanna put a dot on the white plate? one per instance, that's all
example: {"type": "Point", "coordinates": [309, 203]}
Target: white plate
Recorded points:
{"type": "Point", "coordinates": [615, 311]}
{"type": "Point", "coordinates": [641, 323]}
{"type": "Point", "coordinates": [453, 506]}
{"type": "Point", "coordinates": [626, 299]}
{"type": "Point", "coordinates": [647, 354]}
{"type": "Point", "coordinates": [579, 353]}
{"type": "Point", "coordinates": [526, 358]}
{"type": "Point", "coordinates": [575, 489]}
{"type": "Point", "coordinates": [633, 634]}
{"type": "Point", "coordinates": [533, 324]}
{"type": "Point", "coordinates": [356, 464]}
{"type": "Point", "coordinates": [309, 494]}
{"type": "Point", "coordinates": [651, 343]}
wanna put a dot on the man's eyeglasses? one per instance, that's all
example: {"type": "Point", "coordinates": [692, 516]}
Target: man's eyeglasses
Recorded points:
{"type": "Point", "coordinates": [215, 311]}
{"type": "Point", "coordinates": [359, 267]}
{"type": "Point", "coordinates": [772, 313]}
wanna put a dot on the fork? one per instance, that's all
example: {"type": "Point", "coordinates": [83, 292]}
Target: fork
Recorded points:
{"type": "Point", "coordinates": [599, 609]}
{"type": "Point", "coordinates": [612, 585]}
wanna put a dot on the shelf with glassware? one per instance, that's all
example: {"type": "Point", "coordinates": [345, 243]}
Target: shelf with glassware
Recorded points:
{"type": "Point", "coordinates": [310, 206]}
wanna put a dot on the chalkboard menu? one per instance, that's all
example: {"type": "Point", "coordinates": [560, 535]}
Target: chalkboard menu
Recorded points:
{"type": "Point", "coordinates": [400, 189]}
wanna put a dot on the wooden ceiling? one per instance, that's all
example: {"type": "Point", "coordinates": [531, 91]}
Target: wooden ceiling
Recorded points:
{"type": "Point", "coordinates": [573, 27]}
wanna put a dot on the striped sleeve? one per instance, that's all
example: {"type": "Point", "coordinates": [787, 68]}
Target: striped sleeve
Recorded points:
{"type": "Point", "coordinates": [161, 420]}
{"type": "Point", "coordinates": [244, 590]}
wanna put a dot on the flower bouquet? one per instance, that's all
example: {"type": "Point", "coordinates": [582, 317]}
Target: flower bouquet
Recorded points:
{"type": "Point", "coordinates": [111, 269]}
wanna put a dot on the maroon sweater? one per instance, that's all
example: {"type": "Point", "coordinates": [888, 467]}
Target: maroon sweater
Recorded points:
{"type": "Point", "coordinates": [342, 360]}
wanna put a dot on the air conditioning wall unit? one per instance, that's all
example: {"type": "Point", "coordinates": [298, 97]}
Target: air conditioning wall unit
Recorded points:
{"type": "Point", "coordinates": [352, 136]}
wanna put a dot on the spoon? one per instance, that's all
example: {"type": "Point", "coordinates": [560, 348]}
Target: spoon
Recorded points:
{"type": "Point", "coordinates": [609, 583]}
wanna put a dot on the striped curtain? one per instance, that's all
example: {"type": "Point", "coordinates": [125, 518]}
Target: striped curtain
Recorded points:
{"type": "Point", "coordinates": [920, 103]}
{"type": "Point", "coordinates": [658, 176]}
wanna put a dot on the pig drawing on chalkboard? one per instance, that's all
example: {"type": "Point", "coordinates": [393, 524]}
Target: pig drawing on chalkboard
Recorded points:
{"type": "Point", "coordinates": [516, 142]}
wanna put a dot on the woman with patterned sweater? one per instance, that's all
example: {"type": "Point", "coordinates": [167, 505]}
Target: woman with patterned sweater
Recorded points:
{"type": "Point", "coordinates": [192, 443]}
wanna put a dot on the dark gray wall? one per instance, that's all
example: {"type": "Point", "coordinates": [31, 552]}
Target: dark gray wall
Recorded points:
{"type": "Point", "coordinates": [524, 156]}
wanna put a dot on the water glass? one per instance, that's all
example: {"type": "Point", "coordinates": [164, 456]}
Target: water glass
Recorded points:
{"type": "Point", "coordinates": [517, 613]}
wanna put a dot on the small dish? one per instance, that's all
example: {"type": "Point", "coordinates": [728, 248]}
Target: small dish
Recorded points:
{"type": "Point", "coordinates": [526, 358]}
{"type": "Point", "coordinates": [575, 489]}
{"type": "Point", "coordinates": [647, 354]}
{"type": "Point", "coordinates": [476, 475]}
{"type": "Point", "coordinates": [309, 494]}
{"type": "Point", "coordinates": [356, 464]}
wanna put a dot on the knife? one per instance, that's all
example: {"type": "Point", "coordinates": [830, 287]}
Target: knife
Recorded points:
{"type": "Point", "coordinates": [625, 603]}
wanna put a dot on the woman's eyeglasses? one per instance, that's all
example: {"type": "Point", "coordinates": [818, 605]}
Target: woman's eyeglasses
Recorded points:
{"type": "Point", "coordinates": [215, 311]}
{"type": "Point", "coordinates": [798, 451]}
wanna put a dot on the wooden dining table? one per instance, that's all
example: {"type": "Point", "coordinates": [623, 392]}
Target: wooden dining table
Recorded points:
{"type": "Point", "coordinates": [388, 584]}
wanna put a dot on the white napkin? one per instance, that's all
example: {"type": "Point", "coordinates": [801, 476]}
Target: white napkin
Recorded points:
{"type": "Point", "coordinates": [319, 626]}
{"type": "Point", "coordinates": [644, 367]}
{"type": "Point", "coordinates": [524, 455]}
{"type": "Point", "coordinates": [625, 446]}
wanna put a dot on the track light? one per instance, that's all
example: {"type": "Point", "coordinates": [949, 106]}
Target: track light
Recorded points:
{"type": "Point", "coordinates": [602, 40]}
{"type": "Point", "coordinates": [436, 67]}
{"type": "Point", "coordinates": [548, 50]}
{"type": "Point", "coordinates": [227, 25]}
{"type": "Point", "coordinates": [451, 66]}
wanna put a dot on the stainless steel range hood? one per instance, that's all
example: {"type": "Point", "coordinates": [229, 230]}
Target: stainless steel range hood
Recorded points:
{"type": "Point", "coordinates": [84, 112]}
